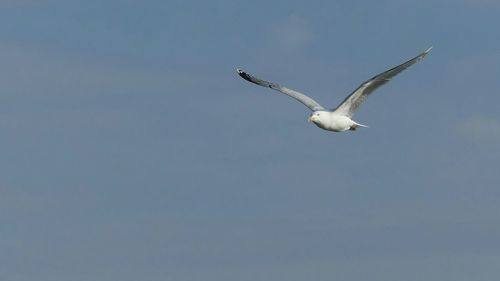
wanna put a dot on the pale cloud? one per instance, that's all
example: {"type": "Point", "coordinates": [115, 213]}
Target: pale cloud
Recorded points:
{"type": "Point", "coordinates": [72, 91]}
{"type": "Point", "coordinates": [52, 73]}
{"type": "Point", "coordinates": [21, 3]}
{"type": "Point", "coordinates": [481, 4]}
{"type": "Point", "coordinates": [475, 69]}
{"type": "Point", "coordinates": [481, 130]}
{"type": "Point", "coordinates": [293, 34]}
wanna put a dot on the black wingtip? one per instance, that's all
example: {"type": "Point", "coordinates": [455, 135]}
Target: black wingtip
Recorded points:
{"type": "Point", "coordinates": [243, 74]}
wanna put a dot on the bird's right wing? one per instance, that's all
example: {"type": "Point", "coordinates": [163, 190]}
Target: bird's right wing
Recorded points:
{"type": "Point", "coordinates": [354, 100]}
{"type": "Point", "coordinates": [307, 101]}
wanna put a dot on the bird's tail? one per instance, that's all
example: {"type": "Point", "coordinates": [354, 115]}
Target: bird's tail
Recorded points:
{"type": "Point", "coordinates": [357, 125]}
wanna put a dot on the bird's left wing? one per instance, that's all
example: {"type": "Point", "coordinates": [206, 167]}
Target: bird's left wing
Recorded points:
{"type": "Point", "coordinates": [354, 100]}
{"type": "Point", "coordinates": [307, 101]}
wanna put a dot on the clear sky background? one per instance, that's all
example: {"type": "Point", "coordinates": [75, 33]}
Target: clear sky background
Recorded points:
{"type": "Point", "coordinates": [131, 150]}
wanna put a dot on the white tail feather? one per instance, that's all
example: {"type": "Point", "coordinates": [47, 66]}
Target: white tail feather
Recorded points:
{"type": "Point", "coordinates": [356, 125]}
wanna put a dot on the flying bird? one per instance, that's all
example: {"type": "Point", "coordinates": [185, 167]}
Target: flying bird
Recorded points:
{"type": "Point", "coordinates": [339, 118]}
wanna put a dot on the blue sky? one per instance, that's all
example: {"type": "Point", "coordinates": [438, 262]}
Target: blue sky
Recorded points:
{"type": "Point", "coordinates": [131, 150]}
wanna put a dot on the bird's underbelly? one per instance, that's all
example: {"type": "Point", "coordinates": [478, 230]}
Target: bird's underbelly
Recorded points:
{"type": "Point", "coordinates": [337, 124]}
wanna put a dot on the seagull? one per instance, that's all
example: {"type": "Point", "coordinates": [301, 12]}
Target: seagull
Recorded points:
{"type": "Point", "coordinates": [338, 119]}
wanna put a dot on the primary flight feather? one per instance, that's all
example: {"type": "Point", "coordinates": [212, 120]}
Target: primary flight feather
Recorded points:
{"type": "Point", "coordinates": [338, 119]}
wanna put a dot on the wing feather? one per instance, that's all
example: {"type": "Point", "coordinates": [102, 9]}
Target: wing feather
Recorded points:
{"type": "Point", "coordinates": [352, 102]}
{"type": "Point", "coordinates": [307, 101]}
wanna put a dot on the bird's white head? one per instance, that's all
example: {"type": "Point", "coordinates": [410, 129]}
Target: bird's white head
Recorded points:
{"type": "Point", "coordinates": [316, 117]}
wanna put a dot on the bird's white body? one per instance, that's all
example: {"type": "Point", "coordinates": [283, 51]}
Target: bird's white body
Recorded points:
{"type": "Point", "coordinates": [338, 119]}
{"type": "Point", "coordinates": [332, 121]}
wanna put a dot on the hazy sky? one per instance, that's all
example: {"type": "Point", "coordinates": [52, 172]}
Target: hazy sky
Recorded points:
{"type": "Point", "coordinates": [131, 150]}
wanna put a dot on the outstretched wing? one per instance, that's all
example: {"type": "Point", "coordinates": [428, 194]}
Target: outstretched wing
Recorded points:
{"type": "Point", "coordinates": [354, 100]}
{"type": "Point", "coordinates": [307, 101]}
